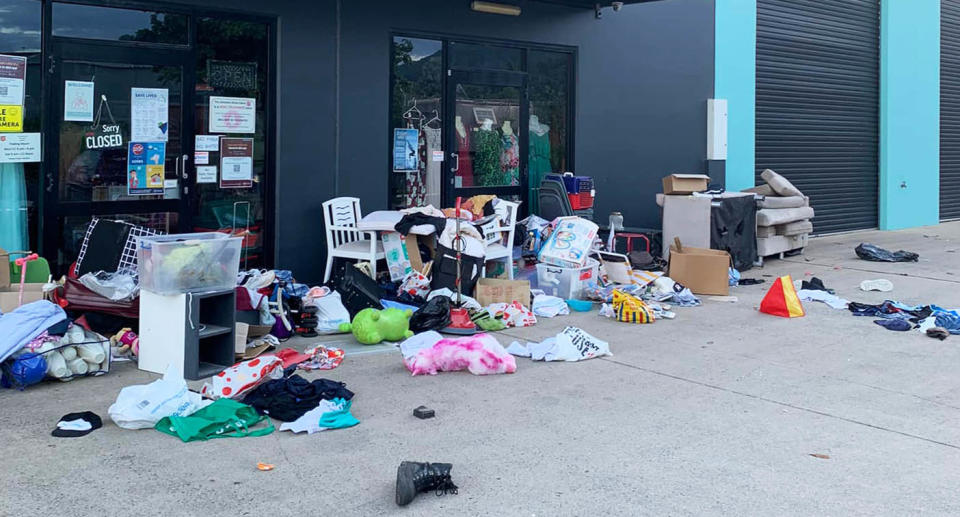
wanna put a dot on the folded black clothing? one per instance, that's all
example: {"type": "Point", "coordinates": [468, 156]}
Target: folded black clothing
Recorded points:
{"type": "Point", "coordinates": [289, 398]}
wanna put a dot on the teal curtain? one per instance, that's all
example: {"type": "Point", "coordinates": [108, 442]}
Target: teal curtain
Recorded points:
{"type": "Point", "coordinates": [13, 208]}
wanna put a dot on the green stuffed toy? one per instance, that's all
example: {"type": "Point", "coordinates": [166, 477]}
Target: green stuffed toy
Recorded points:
{"type": "Point", "coordinates": [371, 326]}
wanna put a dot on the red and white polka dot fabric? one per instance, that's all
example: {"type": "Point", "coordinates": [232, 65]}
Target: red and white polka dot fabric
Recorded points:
{"type": "Point", "coordinates": [236, 381]}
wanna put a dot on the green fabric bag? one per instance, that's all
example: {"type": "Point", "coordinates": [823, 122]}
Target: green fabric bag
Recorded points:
{"type": "Point", "coordinates": [225, 418]}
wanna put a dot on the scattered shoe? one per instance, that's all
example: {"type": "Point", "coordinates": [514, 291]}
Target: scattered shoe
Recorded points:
{"type": "Point", "coordinates": [880, 284]}
{"type": "Point", "coordinates": [414, 478]}
{"type": "Point", "coordinates": [938, 332]}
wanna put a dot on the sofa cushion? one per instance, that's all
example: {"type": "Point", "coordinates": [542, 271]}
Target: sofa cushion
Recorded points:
{"type": "Point", "coordinates": [779, 184]}
{"type": "Point", "coordinates": [767, 246]}
{"type": "Point", "coordinates": [766, 231]}
{"type": "Point", "coordinates": [794, 228]}
{"type": "Point", "coordinates": [784, 202]}
{"type": "Point", "coordinates": [775, 216]}
{"type": "Point", "coordinates": [763, 190]}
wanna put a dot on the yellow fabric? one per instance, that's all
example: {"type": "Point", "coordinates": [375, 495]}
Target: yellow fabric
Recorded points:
{"type": "Point", "coordinates": [790, 297]}
{"type": "Point", "coordinates": [476, 204]}
{"type": "Point", "coordinates": [630, 309]}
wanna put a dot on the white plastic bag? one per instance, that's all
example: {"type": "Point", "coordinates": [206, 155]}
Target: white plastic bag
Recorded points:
{"type": "Point", "coordinates": [143, 405]}
{"type": "Point", "coordinates": [330, 313]}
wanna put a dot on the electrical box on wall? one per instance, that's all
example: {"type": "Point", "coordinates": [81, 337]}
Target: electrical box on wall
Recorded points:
{"type": "Point", "coordinates": [716, 129]}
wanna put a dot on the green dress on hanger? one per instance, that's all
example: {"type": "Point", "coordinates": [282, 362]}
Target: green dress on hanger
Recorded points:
{"type": "Point", "coordinates": [538, 165]}
{"type": "Point", "coordinates": [487, 148]}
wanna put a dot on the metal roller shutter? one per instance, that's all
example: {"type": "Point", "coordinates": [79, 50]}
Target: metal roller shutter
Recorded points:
{"type": "Point", "coordinates": [950, 109]}
{"type": "Point", "coordinates": [818, 104]}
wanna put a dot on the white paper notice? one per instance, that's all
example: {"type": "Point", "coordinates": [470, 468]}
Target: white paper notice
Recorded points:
{"type": "Point", "coordinates": [78, 101]}
{"type": "Point", "coordinates": [201, 157]}
{"type": "Point", "coordinates": [13, 77]}
{"type": "Point", "coordinates": [170, 184]}
{"type": "Point", "coordinates": [233, 115]}
{"type": "Point", "coordinates": [237, 168]}
{"type": "Point", "coordinates": [206, 143]}
{"type": "Point", "coordinates": [148, 115]}
{"type": "Point", "coordinates": [437, 156]}
{"type": "Point", "coordinates": [20, 148]}
{"type": "Point", "coordinates": [207, 174]}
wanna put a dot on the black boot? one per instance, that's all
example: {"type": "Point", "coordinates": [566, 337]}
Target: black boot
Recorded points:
{"type": "Point", "coordinates": [413, 478]}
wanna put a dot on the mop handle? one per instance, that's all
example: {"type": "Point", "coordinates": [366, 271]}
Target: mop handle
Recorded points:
{"type": "Point", "coordinates": [22, 262]}
{"type": "Point", "coordinates": [457, 245]}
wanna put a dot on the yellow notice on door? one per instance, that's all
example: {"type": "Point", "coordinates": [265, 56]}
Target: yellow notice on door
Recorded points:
{"type": "Point", "coordinates": [11, 118]}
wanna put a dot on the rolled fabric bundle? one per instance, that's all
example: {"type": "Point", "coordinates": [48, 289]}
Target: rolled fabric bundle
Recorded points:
{"type": "Point", "coordinates": [91, 353]}
{"type": "Point", "coordinates": [56, 365]}
{"type": "Point", "coordinates": [78, 366]}
{"type": "Point", "coordinates": [69, 353]}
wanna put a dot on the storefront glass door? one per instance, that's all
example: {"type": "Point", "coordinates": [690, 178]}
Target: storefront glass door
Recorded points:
{"type": "Point", "coordinates": [119, 146]}
{"type": "Point", "coordinates": [160, 119]}
{"type": "Point", "coordinates": [486, 131]}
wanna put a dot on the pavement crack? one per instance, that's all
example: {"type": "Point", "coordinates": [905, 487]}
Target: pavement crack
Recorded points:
{"type": "Point", "coordinates": [781, 403]}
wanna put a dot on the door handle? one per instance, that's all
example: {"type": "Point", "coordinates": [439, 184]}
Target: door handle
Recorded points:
{"type": "Point", "coordinates": [185, 158]}
{"type": "Point", "coordinates": [456, 165]}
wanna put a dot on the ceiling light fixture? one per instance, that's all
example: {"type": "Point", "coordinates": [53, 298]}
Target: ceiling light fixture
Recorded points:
{"type": "Point", "coordinates": [495, 8]}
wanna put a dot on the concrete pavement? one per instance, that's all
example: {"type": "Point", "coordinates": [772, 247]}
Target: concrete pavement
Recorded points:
{"type": "Point", "coordinates": [716, 412]}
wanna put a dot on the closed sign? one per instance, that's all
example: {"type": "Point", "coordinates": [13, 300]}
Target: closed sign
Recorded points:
{"type": "Point", "coordinates": [104, 137]}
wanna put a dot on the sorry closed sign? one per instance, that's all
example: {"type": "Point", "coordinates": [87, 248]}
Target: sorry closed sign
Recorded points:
{"type": "Point", "coordinates": [105, 136]}
{"type": "Point", "coordinates": [11, 118]}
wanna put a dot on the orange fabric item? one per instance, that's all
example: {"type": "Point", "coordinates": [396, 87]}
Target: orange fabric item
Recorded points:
{"type": "Point", "coordinates": [781, 300]}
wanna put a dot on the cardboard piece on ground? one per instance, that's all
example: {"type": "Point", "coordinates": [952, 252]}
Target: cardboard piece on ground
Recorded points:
{"type": "Point", "coordinates": [4, 269]}
{"type": "Point", "coordinates": [496, 290]}
{"type": "Point", "coordinates": [704, 271]}
{"type": "Point", "coordinates": [685, 183]}
{"type": "Point", "coordinates": [246, 331]}
{"type": "Point", "coordinates": [10, 296]}
{"type": "Point", "coordinates": [688, 218]}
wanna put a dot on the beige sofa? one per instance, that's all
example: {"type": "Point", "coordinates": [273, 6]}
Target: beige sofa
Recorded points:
{"type": "Point", "coordinates": [783, 220]}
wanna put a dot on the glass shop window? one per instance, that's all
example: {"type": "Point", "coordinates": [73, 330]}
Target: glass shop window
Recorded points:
{"type": "Point", "coordinates": [20, 29]}
{"type": "Point", "coordinates": [474, 56]}
{"type": "Point", "coordinates": [108, 23]}
{"type": "Point", "coordinates": [416, 115]}
{"type": "Point", "coordinates": [549, 92]}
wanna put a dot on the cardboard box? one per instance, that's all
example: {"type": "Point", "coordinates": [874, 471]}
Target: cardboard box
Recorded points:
{"type": "Point", "coordinates": [4, 269]}
{"type": "Point", "coordinates": [9, 297]}
{"type": "Point", "coordinates": [685, 183]}
{"type": "Point", "coordinates": [704, 271]}
{"type": "Point", "coordinates": [495, 290]}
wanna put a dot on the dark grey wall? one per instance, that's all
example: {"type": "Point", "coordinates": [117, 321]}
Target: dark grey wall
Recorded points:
{"type": "Point", "coordinates": [644, 76]}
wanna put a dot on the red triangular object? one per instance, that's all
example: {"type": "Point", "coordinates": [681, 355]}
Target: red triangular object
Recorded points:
{"type": "Point", "coordinates": [781, 300]}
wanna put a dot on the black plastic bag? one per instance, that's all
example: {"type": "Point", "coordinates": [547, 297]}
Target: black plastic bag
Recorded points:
{"type": "Point", "coordinates": [435, 315]}
{"type": "Point", "coordinates": [445, 270]}
{"type": "Point", "coordinates": [878, 254]}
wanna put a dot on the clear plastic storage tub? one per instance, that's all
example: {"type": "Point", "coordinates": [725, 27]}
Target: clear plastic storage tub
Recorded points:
{"type": "Point", "coordinates": [188, 262]}
{"type": "Point", "coordinates": [567, 282]}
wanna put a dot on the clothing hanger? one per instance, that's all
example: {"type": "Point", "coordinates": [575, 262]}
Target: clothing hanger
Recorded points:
{"type": "Point", "coordinates": [436, 118]}
{"type": "Point", "coordinates": [413, 113]}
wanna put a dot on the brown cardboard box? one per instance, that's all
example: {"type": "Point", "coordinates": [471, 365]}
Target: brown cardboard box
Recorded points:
{"type": "Point", "coordinates": [685, 183]}
{"type": "Point", "coordinates": [4, 269]}
{"type": "Point", "coordinates": [703, 270]}
{"type": "Point", "coordinates": [495, 290]}
{"type": "Point", "coordinates": [9, 297]}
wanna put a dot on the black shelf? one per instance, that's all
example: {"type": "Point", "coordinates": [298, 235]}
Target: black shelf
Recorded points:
{"type": "Point", "coordinates": [209, 330]}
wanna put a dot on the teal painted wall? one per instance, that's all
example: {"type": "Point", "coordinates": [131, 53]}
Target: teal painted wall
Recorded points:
{"type": "Point", "coordinates": [909, 113]}
{"type": "Point", "coordinates": [735, 79]}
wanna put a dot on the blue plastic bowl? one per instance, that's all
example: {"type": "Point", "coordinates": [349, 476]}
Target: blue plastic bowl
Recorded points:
{"type": "Point", "coordinates": [580, 305]}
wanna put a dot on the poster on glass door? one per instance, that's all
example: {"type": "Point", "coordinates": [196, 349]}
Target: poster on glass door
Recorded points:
{"type": "Point", "coordinates": [13, 77]}
{"type": "Point", "coordinates": [236, 162]}
{"type": "Point", "coordinates": [145, 168]}
{"type": "Point", "coordinates": [148, 115]}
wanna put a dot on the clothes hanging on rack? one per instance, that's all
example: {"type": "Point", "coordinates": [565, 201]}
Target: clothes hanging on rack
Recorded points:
{"type": "Point", "coordinates": [434, 175]}
{"type": "Point", "coordinates": [538, 164]}
{"type": "Point", "coordinates": [487, 148]}
{"type": "Point", "coordinates": [510, 159]}
{"type": "Point", "coordinates": [13, 208]}
{"type": "Point", "coordinates": [465, 167]}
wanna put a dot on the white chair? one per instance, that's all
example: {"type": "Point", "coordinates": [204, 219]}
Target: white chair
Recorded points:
{"type": "Point", "coordinates": [340, 216]}
{"type": "Point", "coordinates": [497, 251]}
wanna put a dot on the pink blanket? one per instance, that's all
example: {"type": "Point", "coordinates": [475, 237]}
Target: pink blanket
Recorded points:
{"type": "Point", "coordinates": [480, 355]}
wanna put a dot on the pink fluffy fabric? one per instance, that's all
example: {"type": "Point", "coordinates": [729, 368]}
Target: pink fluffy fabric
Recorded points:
{"type": "Point", "coordinates": [480, 355]}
